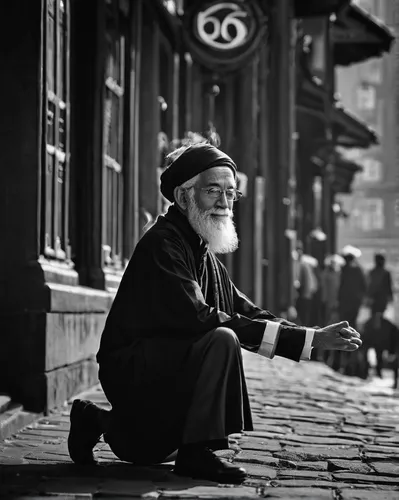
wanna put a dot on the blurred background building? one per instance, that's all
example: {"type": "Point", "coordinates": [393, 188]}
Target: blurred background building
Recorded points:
{"type": "Point", "coordinates": [94, 93]}
{"type": "Point", "coordinates": [370, 90]}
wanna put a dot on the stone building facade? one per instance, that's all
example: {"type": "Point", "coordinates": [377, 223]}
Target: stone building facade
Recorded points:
{"type": "Point", "coordinates": [93, 93]}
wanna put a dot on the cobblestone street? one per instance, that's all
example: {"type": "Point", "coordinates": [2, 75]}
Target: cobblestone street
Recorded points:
{"type": "Point", "coordinates": [319, 435]}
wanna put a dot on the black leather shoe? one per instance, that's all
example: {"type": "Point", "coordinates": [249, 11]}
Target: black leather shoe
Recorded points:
{"type": "Point", "coordinates": [84, 433]}
{"type": "Point", "coordinates": [202, 463]}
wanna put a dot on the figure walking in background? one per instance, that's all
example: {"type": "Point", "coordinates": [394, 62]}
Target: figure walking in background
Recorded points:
{"type": "Point", "coordinates": [352, 287]}
{"type": "Point", "coordinates": [380, 333]}
{"type": "Point", "coordinates": [351, 294]}
{"type": "Point", "coordinates": [330, 278]}
{"type": "Point", "coordinates": [305, 283]}
{"type": "Point", "coordinates": [379, 289]}
{"type": "Point", "coordinates": [329, 284]}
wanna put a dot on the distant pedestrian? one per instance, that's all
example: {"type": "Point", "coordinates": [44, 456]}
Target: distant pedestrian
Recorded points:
{"type": "Point", "coordinates": [330, 278]}
{"type": "Point", "coordinates": [329, 284]}
{"type": "Point", "coordinates": [380, 334]}
{"type": "Point", "coordinates": [352, 287]}
{"type": "Point", "coordinates": [379, 286]}
{"type": "Point", "coordinates": [351, 294]}
{"type": "Point", "coordinates": [305, 282]}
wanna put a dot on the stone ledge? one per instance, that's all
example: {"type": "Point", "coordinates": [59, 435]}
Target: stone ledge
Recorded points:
{"type": "Point", "coordinates": [58, 272]}
{"type": "Point", "coordinates": [5, 403]}
{"type": "Point", "coordinates": [55, 387]}
{"type": "Point", "coordinates": [70, 298]}
{"type": "Point", "coordinates": [14, 419]}
{"type": "Point", "coordinates": [39, 342]}
{"type": "Point", "coordinates": [43, 391]}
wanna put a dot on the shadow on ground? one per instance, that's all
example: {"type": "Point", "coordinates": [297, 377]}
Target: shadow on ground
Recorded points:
{"type": "Point", "coordinates": [106, 479]}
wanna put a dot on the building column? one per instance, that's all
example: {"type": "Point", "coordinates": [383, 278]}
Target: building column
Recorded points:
{"type": "Point", "coordinates": [150, 115]}
{"type": "Point", "coordinates": [328, 170]}
{"type": "Point", "coordinates": [281, 169]}
{"type": "Point", "coordinates": [21, 278]}
{"type": "Point", "coordinates": [132, 159]}
{"type": "Point", "coordinates": [246, 156]}
{"type": "Point", "coordinates": [88, 49]}
{"type": "Point", "coordinates": [262, 265]}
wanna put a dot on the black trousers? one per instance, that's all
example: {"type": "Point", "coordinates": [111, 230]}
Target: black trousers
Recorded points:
{"type": "Point", "coordinates": [175, 392]}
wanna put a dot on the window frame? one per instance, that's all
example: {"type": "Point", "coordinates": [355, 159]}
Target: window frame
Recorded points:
{"type": "Point", "coordinates": [366, 212]}
{"type": "Point", "coordinates": [113, 168]}
{"type": "Point", "coordinates": [55, 188]}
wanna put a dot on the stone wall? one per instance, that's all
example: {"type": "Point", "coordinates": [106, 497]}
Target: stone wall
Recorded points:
{"type": "Point", "coordinates": [47, 357]}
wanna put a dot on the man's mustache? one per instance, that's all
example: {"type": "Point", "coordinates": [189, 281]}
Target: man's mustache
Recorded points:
{"type": "Point", "coordinates": [229, 213]}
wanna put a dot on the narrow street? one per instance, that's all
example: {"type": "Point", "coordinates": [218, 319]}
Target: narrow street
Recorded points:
{"type": "Point", "coordinates": [319, 435]}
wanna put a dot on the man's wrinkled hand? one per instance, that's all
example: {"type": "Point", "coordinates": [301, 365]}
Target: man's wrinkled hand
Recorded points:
{"type": "Point", "coordinates": [338, 336]}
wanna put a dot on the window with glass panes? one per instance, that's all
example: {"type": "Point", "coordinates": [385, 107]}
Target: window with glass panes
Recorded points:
{"type": "Point", "coordinates": [113, 139]}
{"type": "Point", "coordinates": [55, 172]}
{"type": "Point", "coordinates": [368, 214]}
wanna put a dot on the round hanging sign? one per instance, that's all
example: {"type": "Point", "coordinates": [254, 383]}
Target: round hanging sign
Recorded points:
{"type": "Point", "coordinates": [222, 35]}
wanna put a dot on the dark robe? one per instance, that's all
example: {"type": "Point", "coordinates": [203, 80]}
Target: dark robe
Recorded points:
{"type": "Point", "coordinates": [173, 292]}
{"type": "Point", "coordinates": [379, 289]}
{"type": "Point", "coordinates": [351, 292]}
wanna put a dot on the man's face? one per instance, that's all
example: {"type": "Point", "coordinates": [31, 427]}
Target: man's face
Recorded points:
{"type": "Point", "coordinates": [212, 218]}
{"type": "Point", "coordinates": [218, 177]}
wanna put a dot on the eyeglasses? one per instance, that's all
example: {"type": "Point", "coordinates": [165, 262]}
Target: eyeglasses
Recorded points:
{"type": "Point", "coordinates": [215, 193]}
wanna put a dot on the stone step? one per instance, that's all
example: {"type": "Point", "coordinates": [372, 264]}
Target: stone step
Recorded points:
{"type": "Point", "coordinates": [13, 418]}
{"type": "Point", "coordinates": [5, 402]}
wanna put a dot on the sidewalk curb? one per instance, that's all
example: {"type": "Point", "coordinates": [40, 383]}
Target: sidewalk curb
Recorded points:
{"type": "Point", "coordinates": [14, 419]}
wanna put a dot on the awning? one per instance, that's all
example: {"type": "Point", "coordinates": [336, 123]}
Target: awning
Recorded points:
{"type": "Point", "coordinates": [358, 35]}
{"type": "Point", "coordinates": [342, 170]}
{"type": "Point", "coordinates": [344, 173]}
{"type": "Point", "coordinates": [349, 131]}
{"type": "Point", "coordinates": [310, 8]}
{"type": "Point", "coordinates": [311, 94]}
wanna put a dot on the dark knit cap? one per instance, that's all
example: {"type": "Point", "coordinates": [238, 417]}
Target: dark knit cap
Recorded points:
{"type": "Point", "coordinates": [194, 160]}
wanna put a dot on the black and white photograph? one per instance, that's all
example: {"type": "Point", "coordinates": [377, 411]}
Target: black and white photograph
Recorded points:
{"type": "Point", "coordinates": [199, 272]}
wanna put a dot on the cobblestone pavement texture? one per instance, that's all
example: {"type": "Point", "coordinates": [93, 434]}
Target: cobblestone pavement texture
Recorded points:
{"type": "Point", "coordinates": [319, 435]}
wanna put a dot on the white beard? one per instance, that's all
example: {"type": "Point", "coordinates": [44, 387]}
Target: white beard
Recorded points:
{"type": "Point", "coordinates": [221, 235]}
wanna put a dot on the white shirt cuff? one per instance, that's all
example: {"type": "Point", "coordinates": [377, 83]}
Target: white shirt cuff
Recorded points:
{"type": "Point", "coordinates": [307, 348]}
{"type": "Point", "coordinates": [269, 341]}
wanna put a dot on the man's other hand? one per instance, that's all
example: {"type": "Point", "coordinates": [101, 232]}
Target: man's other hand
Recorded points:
{"type": "Point", "coordinates": [338, 336]}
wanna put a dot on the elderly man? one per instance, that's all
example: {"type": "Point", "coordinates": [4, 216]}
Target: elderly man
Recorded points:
{"type": "Point", "coordinates": [170, 355]}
